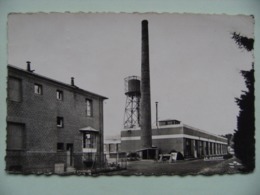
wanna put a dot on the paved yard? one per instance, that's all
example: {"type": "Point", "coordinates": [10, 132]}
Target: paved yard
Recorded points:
{"type": "Point", "coordinates": [186, 167]}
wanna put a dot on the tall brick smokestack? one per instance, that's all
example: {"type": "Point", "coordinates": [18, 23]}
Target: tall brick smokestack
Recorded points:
{"type": "Point", "coordinates": [146, 132]}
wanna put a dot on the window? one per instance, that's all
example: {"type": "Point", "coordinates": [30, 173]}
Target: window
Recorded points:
{"type": "Point", "coordinates": [89, 140]}
{"type": "Point", "coordinates": [15, 136]}
{"type": "Point", "coordinates": [89, 110]}
{"type": "Point", "coordinates": [59, 95]}
{"type": "Point", "coordinates": [169, 122]}
{"type": "Point", "coordinates": [188, 149]}
{"type": "Point", "coordinates": [15, 89]}
{"type": "Point", "coordinates": [161, 123]}
{"type": "Point", "coordinates": [60, 146]}
{"type": "Point", "coordinates": [60, 122]}
{"type": "Point", "coordinates": [37, 89]}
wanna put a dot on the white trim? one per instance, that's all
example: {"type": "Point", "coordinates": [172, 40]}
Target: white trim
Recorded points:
{"type": "Point", "coordinates": [167, 136]}
{"type": "Point", "coordinates": [155, 127]}
{"type": "Point", "coordinates": [112, 141]}
{"type": "Point", "coordinates": [89, 150]}
{"type": "Point", "coordinates": [174, 136]}
{"type": "Point", "coordinates": [130, 138]}
{"type": "Point", "coordinates": [168, 126]}
{"type": "Point", "coordinates": [176, 126]}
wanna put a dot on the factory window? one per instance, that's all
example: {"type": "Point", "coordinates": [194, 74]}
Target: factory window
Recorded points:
{"type": "Point", "coordinates": [187, 150]}
{"type": "Point", "coordinates": [161, 123]}
{"type": "Point", "coordinates": [59, 95]}
{"type": "Point", "coordinates": [89, 140]}
{"type": "Point", "coordinates": [169, 122]}
{"type": "Point", "coordinates": [60, 122]}
{"type": "Point", "coordinates": [15, 89]}
{"type": "Point", "coordinates": [15, 136]}
{"type": "Point", "coordinates": [89, 110]}
{"type": "Point", "coordinates": [60, 146]}
{"type": "Point", "coordinates": [207, 148]}
{"type": "Point", "coordinates": [37, 89]}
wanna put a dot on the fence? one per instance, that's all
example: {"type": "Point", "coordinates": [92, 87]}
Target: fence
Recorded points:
{"type": "Point", "coordinates": [61, 163]}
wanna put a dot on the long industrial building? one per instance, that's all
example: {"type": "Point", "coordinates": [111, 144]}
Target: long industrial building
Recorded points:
{"type": "Point", "coordinates": [172, 135]}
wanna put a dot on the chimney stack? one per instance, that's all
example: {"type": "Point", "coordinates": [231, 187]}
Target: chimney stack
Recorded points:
{"type": "Point", "coordinates": [29, 66]}
{"type": "Point", "coordinates": [72, 81]}
{"type": "Point", "coordinates": [146, 129]}
{"type": "Point", "coordinates": [156, 107]}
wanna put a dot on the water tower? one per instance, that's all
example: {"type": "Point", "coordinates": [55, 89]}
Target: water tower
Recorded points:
{"type": "Point", "coordinates": [132, 106]}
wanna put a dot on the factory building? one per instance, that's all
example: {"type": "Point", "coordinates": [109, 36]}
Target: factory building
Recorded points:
{"type": "Point", "coordinates": [51, 126]}
{"type": "Point", "coordinates": [169, 135]}
{"type": "Point", "coordinates": [172, 135]}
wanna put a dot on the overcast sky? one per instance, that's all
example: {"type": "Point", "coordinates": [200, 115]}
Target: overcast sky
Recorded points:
{"type": "Point", "coordinates": [194, 62]}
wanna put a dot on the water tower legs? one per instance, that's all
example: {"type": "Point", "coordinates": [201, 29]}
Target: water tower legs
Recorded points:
{"type": "Point", "coordinates": [132, 106]}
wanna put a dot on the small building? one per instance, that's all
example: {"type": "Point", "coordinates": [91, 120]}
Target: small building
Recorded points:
{"type": "Point", "coordinates": [173, 135]}
{"type": "Point", "coordinates": [112, 146]}
{"type": "Point", "coordinates": [112, 149]}
{"type": "Point", "coordinates": [51, 126]}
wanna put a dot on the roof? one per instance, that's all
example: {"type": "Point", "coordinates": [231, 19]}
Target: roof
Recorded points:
{"type": "Point", "coordinates": [55, 81]}
{"type": "Point", "coordinates": [199, 130]}
{"type": "Point", "coordinates": [89, 129]}
{"type": "Point", "coordinates": [112, 141]}
{"type": "Point", "coordinates": [177, 126]}
{"type": "Point", "coordinates": [169, 120]}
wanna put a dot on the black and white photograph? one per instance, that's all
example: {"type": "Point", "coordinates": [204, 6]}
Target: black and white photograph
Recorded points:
{"type": "Point", "coordinates": [130, 94]}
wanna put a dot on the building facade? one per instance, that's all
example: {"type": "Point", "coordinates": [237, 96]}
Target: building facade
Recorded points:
{"type": "Point", "coordinates": [112, 146]}
{"type": "Point", "coordinates": [112, 149]}
{"type": "Point", "coordinates": [172, 135]}
{"type": "Point", "coordinates": [51, 125]}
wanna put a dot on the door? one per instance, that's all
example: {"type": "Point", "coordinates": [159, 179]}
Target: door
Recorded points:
{"type": "Point", "coordinates": [69, 154]}
{"type": "Point", "coordinates": [187, 151]}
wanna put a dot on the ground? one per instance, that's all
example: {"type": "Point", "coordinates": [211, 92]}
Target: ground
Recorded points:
{"type": "Point", "coordinates": [185, 167]}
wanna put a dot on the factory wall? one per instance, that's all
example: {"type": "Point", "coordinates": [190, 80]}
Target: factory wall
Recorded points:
{"type": "Point", "coordinates": [168, 145]}
{"type": "Point", "coordinates": [130, 145]}
{"type": "Point", "coordinates": [189, 141]}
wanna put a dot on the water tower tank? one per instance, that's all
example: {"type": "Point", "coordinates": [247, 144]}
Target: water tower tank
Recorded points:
{"type": "Point", "coordinates": [132, 86]}
{"type": "Point", "coordinates": [132, 107]}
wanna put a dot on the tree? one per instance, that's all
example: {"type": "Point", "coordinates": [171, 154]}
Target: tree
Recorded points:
{"type": "Point", "coordinates": [229, 137]}
{"type": "Point", "coordinates": [243, 42]}
{"type": "Point", "coordinates": [244, 136]}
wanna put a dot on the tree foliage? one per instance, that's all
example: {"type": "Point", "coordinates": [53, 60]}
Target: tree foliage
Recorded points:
{"type": "Point", "coordinates": [244, 136]}
{"type": "Point", "coordinates": [243, 42]}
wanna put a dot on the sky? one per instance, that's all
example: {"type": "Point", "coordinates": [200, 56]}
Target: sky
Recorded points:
{"type": "Point", "coordinates": [194, 63]}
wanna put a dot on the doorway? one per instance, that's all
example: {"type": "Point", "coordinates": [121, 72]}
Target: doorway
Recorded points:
{"type": "Point", "coordinates": [69, 151]}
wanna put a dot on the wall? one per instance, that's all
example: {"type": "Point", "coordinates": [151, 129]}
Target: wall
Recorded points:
{"type": "Point", "coordinates": [38, 113]}
{"type": "Point", "coordinates": [167, 145]}
{"type": "Point", "coordinates": [168, 138]}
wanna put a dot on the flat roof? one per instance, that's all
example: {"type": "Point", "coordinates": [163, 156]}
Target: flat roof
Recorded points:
{"type": "Point", "coordinates": [176, 126]}
{"type": "Point", "coordinates": [169, 120]}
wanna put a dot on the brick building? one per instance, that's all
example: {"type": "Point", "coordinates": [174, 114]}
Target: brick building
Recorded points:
{"type": "Point", "coordinates": [51, 126]}
{"type": "Point", "coordinates": [172, 135]}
